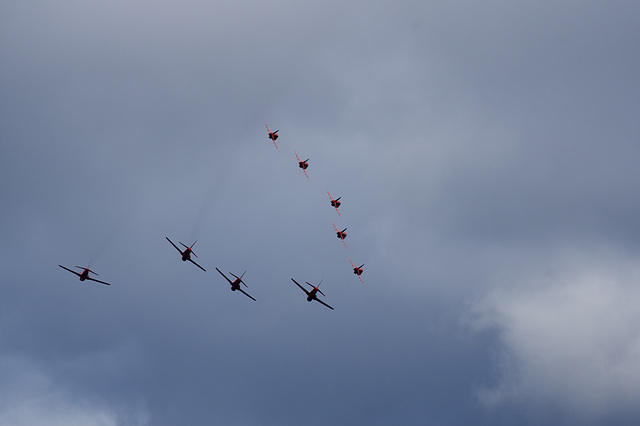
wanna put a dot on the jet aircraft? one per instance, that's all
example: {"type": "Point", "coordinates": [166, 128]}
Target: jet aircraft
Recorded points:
{"type": "Point", "coordinates": [186, 254]}
{"type": "Point", "coordinates": [313, 294]}
{"type": "Point", "coordinates": [341, 234]}
{"type": "Point", "coordinates": [235, 284]}
{"type": "Point", "coordinates": [357, 270]}
{"type": "Point", "coordinates": [273, 135]}
{"type": "Point", "coordinates": [302, 164]}
{"type": "Point", "coordinates": [84, 275]}
{"type": "Point", "coordinates": [335, 203]}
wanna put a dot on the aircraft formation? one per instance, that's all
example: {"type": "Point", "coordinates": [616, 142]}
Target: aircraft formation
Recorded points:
{"type": "Point", "coordinates": [236, 284]}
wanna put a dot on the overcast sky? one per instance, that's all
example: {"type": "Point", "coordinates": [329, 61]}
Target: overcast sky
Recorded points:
{"type": "Point", "coordinates": [487, 158]}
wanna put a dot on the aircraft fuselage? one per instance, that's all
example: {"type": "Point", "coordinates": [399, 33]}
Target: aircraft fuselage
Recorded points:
{"type": "Point", "coordinates": [312, 295]}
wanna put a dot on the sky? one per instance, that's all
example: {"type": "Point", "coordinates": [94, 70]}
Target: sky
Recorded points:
{"type": "Point", "coordinates": [486, 155]}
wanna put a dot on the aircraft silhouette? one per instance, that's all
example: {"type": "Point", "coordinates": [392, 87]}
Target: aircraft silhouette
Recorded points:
{"type": "Point", "coordinates": [186, 254]}
{"type": "Point", "coordinates": [335, 203]}
{"type": "Point", "coordinates": [235, 284]}
{"type": "Point", "coordinates": [273, 135]}
{"type": "Point", "coordinates": [84, 275]}
{"type": "Point", "coordinates": [302, 164]}
{"type": "Point", "coordinates": [357, 270]}
{"type": "Point", "coordinates": [312, 295]}
{"type": "Point", "coordinates": [340, 234]}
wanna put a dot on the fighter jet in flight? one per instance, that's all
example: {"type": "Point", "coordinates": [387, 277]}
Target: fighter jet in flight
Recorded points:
{"type": "Point", "coordinates": [357, 270]}
{"type": "Point", "coordinates": [335, 203]}
{"type": "Point", "coordinates": [341, 234]}
{"type": "Point", "coordinates": [313, 294]}
{"type": "Point", "coordinates": [235, 284]}
{"type": "Point", "coordinates": [273, 135]}
{"type": "Point", "coordinates": [302, 164]}
{"type": "Point", "coordinates": [84, 275]}
{"type": "Point", "coordinates": [186, 254]}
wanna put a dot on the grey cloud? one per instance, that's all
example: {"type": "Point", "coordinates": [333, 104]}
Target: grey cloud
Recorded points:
{"type": "Point", "coordinates": [570, 341]}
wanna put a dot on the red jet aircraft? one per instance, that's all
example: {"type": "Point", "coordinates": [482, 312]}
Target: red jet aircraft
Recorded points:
{"type": "Point", "coordinates": [335, 203]}
{"type": "Point", "coordinates": [312, 295]}
{"type": "Point", "coordinates": [235, 284]}
{"type": "Point", "coordinates": [357, 270]}
{"type": "Point", "coordinates": [340, 234]}
{"type": "Point", "coordinates": [273, 135]}
{"type": "Point", "coordinates": [84, 275]}
{"type": "Point", "coordinates": [302, 164]}
{"type": "Point", "coordinates": [186, 254]}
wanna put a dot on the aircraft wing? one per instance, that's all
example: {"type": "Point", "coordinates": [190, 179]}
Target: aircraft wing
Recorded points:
{"type": "Point", "coordinates": [193, 261]}
{"type": "Point", "coordinates": [174, 245]}
{"type": "Point", "coordinates": [345, 244]}
{"type": "Point", "coordinates": [72, 271]}
{"type": "Point", "coordinates": [98, 281]}
{"type": "Point", "coordinates": [302, 288]}
{"type": "Point", "coordinates": [246, 294]}
{"type": "Point", "coordinates": [225, 277]}
{"type": "Point", "coordinates": [318, 300]}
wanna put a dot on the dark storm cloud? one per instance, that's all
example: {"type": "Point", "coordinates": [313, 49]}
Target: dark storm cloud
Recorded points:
{"type": "Point", "coordinates": [478, 148]}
